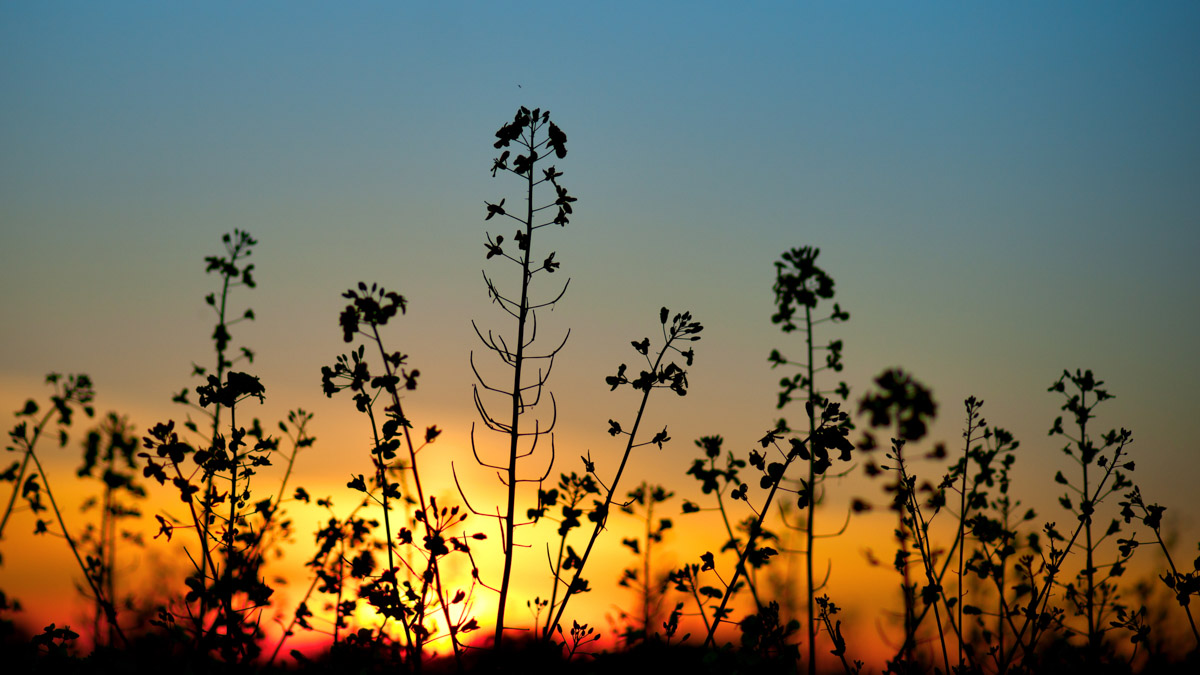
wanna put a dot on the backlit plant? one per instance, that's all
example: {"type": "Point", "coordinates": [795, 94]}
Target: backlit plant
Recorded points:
{"type": "Point", "coordinates": [535, 140]}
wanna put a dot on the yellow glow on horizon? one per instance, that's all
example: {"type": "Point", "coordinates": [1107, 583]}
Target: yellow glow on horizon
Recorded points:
{"type": "Point", "coordinates": [36, 568]}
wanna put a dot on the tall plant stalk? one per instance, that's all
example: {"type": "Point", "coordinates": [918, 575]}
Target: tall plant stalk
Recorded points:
{"type": "Point", "coordinates": [800, 283]}
{"type": "Point", "coordinates": [234, 272]}
{"type": "Point", "coordinates": [900, 398]}
{"type": "Point", "coordinates": [535, 138]}
{"type": "Point", "coordinates": [1089, 491]}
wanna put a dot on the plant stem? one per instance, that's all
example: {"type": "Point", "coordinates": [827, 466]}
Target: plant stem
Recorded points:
{"type": "Point", "coordinates": [755, 528]}
{"type": "Point", "coordinates": [109, 610]}
{"type": "Point", "coordinates": [412, 454]}
{"type": "Point", "coordinates": [612, 490]}
{"type": "Point", "coordinates": [1086, 512]}
{"type": "Point", "coordinates": [920, 529]}
{"type": "Point", "coordinates": [517, 405]}
{"type": "Point", "coordinates": [30, 444]}
{"type": "Point", "coordinates": [1175, 573]}
{"type": "Point", "coordinates": [1039, 599]}
{"type": "Point", "coordinates": [737, 547]}
{"type": "Point", "coordinates": [812, 496]}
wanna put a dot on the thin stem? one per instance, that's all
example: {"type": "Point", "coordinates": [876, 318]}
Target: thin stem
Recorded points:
{"type": "Point", "coordinates": [517, 407]}
{"type": "Point", "coordinates": [37, 434]}
{"type": "Point", "coordinates": [962, 521]}
{"type": "Point", "coordinates": [109, 610]}
{"type": "Point", "coordinates": [920, 531]}
{"type": "Point", "coordinates": [755, 528]}
{"type": "Point", "coordinates": [381, 480]}
{"type": "Point", "coordinates": [646, 564]}
{"type": "Point", "coordinates": [737, 548]}
{"type": "Point", "coordinates": [412, 454]}
{"type": "Point", "coordinates": [1086, 509]}
{"type": "Point", "coordinates": [1175, 572]}
{"type": "Point", "coordinates": [612, 490]}
{"type": "Point", "coordinates": [812, 495]}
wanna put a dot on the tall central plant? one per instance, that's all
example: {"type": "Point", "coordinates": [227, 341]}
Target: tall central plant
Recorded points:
{"type": "Point", "coordinates": [799, 283]}
{"type": "Point", "coordinates": [535, 139]}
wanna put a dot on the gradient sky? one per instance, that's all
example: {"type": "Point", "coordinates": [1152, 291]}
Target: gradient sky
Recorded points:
{"type": "Point", "coordinates": [1000, 192]}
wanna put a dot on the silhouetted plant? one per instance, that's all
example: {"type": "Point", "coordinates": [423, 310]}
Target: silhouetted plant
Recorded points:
{"type": "Point", "coordinates": [111, 448]}
{"type": "Point", "coordinates": [1093, 596]}
{"type": "Point", "coordinates": [827, 610]}
{"type": "Point", "coordinates": [581, 635]}
{"type": "Point", "coordinates": [232, 587]}
{"type": "Point", "coordinates": [916, 523]}
{"type": "Point", "coordinates": [271, 527]}
{"type": "Point", "coordinates": [992, 520]}
{"type": "Point", "coordinates": [641, 579]}
{"type": "Point", "coordinates": [971, 476]}
{"type": "Point", "coordinates": [1184, 585]}
{"type": "Point", "coordinates": [1039, 571]}
{"type": "Point", "coordinates": [800, 283]}
{"type": "Point", "coordinates": [424, 592]}
{"type": "Point", "coordinates": [686, 580]}
{"type": "Point", "coordinates": [227, 593]}
{"type": "Point", "coordinates": [768, 637]}
{"type": "Point", "coordinates": [71, 394]}
{"type": "Point", "coordinates": [234, 272]}
{"type": "Point", "coordinates": [535, 138]}
{"type": "Point", "coordinates": [333, 564]}
{"type": "Point", "coordinates": [571, 492]}
{"type": "Point", "coordinates": [74, 391]}
{"type": "Point", "coordinates": [717, 481]}
{"type": "Point", "coordinates": [910, 404]}
{"type": "Point", "coordinates": [54, 641]}
{"type": "Point", "coordinates": [830, 434]}
{"type": "Point", "coordinates": [663, 373]}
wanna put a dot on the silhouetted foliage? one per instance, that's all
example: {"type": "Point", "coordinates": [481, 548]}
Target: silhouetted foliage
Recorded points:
{"type": "Point", "coordinates": [532, 134]}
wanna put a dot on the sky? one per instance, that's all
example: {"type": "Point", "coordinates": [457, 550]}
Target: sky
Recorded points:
{"type": "Point", "coordinates": [999, 191]}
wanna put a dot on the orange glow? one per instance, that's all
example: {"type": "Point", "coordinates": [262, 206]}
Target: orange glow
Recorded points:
{"type": "Point", "coordinates": [36, 566]}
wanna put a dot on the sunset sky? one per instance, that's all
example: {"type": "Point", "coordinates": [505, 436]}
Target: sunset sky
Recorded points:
{"type": "Point", "coordinates": [999, 191]}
